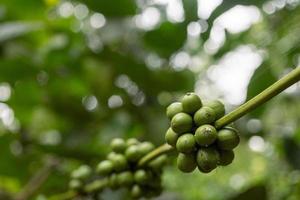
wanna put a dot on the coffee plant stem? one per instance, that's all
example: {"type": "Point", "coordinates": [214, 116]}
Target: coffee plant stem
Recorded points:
{"type": "Point", "coordinates": [276, 88]}
{"type": "Point", "coordinates": [165, 148]}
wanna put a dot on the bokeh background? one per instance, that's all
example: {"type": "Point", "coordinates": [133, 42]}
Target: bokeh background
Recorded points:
{"type": "Point", "coordinates": [75, 74]}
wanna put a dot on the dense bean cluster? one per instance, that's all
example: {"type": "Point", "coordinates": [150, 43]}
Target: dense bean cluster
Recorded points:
{"type": "Point", "coordinates": [121, 169]}
{"type": "Point", "coordinates": [193, 134]}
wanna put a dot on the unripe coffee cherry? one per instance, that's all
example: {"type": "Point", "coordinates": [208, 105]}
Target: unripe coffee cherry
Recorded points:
{"type": "Point", "coordinates": [113, 181]}
{"type": "Point", "coordinates": [133, 153]}
{"type": "Point", "coordinates": [218, 107]}
{"type": "Point", "coordinates": [205, 135]}
{"type": "Point", "coordinates": [186, 143]}
{"type": "Point", "coordinates": [191, 103]}
{"type": "Point", "coordinates": [120, 163]}
{"type": "Point", "coordinates": [145, 147]}
{"type": "Point", "coordinates": [136, 191]}
{"type": "Point", "coordinates": [82, 172]}
{"type": "Point", "coordinates": [171, 137]}
{"type": "Point", "coordinates": [174, 109]}
{"type": "Point", "coordinates": [158, 162]}
{"type": "Point", "coordinates": [75, 184]}
{"type": "Point", "coordinates": [125, 178]}
{"type": "Point", "coordinates": [204, 115]}
{"type": "Point", "coordinates": [226, 157]}
{"type": "Point", "coordinates": [182, 123]}
{"type": "Point", "coordinates": [186, 162]}
{"type": "Point", "coordinates": [142, 177]}
{"type": "Point", "coordinates": [131, 141]}
{"type": "Point", "coordinates": [228, 139]}
{"type": "Point", "coordinates": [105, 167]}
{"type": "Point", "coordinates": [118, 145]}
{"type": "Point", "coordinates": [111, 155]}
{"type": "Point", "coordinates": [207, 159]}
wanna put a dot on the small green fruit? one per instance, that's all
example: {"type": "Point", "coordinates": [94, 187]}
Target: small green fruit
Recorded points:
{"type": "Point", "coordinates": [142, 177]}
{"type": "Point", "coordinates": [205, 135]}
{"type": "Point", "coordinates": [228, 138]}
{"type": "Point", "coordinates": [131, 141]}
{"type": "Point", "coordinates": [105, 167]}
{"type": "Point", "coordinates": [158, 162]}
{"type": "Point", "coordinates": [120, 163]}
{"type": "Point", "coordinates": [204, 115]}
{"type": "Point", "coordinates": [171, 137]}
{"type": "Point", "coordinates": [174, 109]}
{"type": "Point", "coordinates": [207, 159]}
{"type": "Point", "coordinates": [186, 162]}
{"type": "Point", "coordinates": [186, 143]}
{"type": "Point", "coordinates": [75, 184]}
{"type": "Point", "coordinates": [133, 153]}
{"type": "Point", "coordinates": [136, 191]}
{"type": "Point", "coordinates": [125, 178]}
{"type": "Point", "coordinates": [111, 155]}
{"type": "Point", "coordinates": [146, 147]}
{"type": "Point", "coordinates": [218, 107]}
{"type": "Point", "coordinates": [182, 123]}
{"type": "Point", "coordinates": [118, 145]}
{"type": "Point", "coordinates": [226, 157]}
{"type": "Point", "coordinates": [82, 172]}
{"type": "Point", "coordinates": [191, 103]}
{"type": "Point", "coordinates": [113, 181]}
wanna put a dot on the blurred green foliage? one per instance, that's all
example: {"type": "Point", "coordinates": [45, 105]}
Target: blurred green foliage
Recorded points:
{"type": "Point", "coordinates": [77, 78]}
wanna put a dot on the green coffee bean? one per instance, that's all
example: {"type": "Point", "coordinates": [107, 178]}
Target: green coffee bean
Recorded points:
{"type": "Point", "coordinates": [191, 103]}
{"type": "Point", "coordinates": [228, 138]}
{"type": "Point", "coordinates": [142, 177]}
{"type": "Point", "coordinates": [171, 137]}
{"type": "Point", "coordinates": [118, 145]}
{"type": "Point", "coordinates": [146, 147]}
{"type": "Point", "coordinates": [186, 162]}
{"type": "Point", "coordinates": [82, 172]}
{"type": "Point", "coordinates": [218, 107]}
{"type": "Point", "coordinates": [105, 167]}
{"type": "Point", "coordinates": [173, 109]}
{"type": "Point", "coordinates": [205, 135]}
{"type": "Point", "coordinates": [182, 123]}
{"type": "Point", "coordinates": [125, 178]}
{"type": "Point", "coordinates": [136, 191]}
{"type": "Point", "coordinates": [186, 143]}
{"type": "Point", "coordinates": [75, 184]}
{"type": "Point", "coordinates": [132, 141]}
{"type": "Point", "coordinates": [204, 115]}
{"type": "Point", "coordinates": [133, 153]}
{"type": "Point", "coordinates": [207, 159]}
{"type": "Point", "coordinates": [120, 163]}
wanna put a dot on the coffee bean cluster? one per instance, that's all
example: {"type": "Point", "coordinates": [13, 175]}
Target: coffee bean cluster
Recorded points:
{"type": "Point", "coordinates": [121, 168]}
{"type": "Point", "coordinates": [194, 136]}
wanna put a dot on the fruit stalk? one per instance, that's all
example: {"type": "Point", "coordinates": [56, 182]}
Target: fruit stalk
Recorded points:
{"type": "Point", "coordinates": [276, 88]}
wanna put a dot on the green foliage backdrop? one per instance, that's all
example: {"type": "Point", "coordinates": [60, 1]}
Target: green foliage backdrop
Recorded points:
{"type": "Point", "coordinates": [75, 74]}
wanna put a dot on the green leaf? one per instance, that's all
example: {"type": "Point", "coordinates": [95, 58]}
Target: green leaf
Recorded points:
{"type": "Point", "coordinates": [262, 78]}
{"type": "Point", "coordinates": [167, 39]}
{"type": "Point", "coordinates": [112, 8]}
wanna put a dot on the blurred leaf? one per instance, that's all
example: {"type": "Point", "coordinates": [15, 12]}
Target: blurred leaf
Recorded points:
{"type": "Point", "coordinates": [190, 10]}
{"type": "Point", "coordinates": [166, 39]}
{"type": "Point", "coordinates": [255, 192]}
{"type": "Point", "coordinates": [262, 78]}
{"type": "Point", "coordinates": [292, 152]}
{"type": "Point", "coordinates": [112, 8]}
